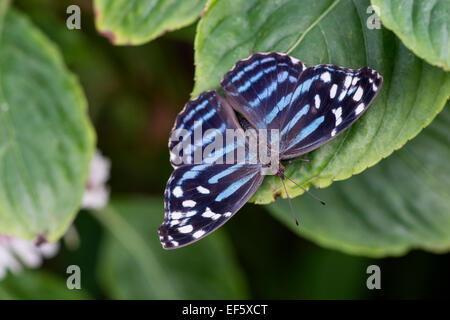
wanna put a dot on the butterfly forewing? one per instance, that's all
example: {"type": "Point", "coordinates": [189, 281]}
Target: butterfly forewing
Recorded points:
{"type": "Point", "coordinates": [309, 106]}
{"type": "Point", "coordinates": [260, 88]}
{"type": "Point", "coordinates": [190, 136]}
{"type": "Point", "coordinates": [326, 101]}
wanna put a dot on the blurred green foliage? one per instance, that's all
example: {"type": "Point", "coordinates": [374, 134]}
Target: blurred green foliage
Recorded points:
{"type": "Point", "coordinates": [134, 94]}
{"type": "Point", "coordinates": [46, 139]}
{"type": "Point", "coordinates": [402, 203]}
{"type": "Point", "coordinates": [207, 268]}
{"type": "Point", "coordinates": [421, 25]}
{"type": "Point", "coordinates": [137, 22]}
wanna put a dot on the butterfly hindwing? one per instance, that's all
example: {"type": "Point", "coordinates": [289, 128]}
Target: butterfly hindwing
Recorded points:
{"type": "Point", "coordinates": [200, 198]}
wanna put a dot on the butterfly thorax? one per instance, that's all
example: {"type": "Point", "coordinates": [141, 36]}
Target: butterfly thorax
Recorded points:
{"type": "Point", "coordinates": [245, 124]}
{"type": "Point", "coordinates": [281, 170]}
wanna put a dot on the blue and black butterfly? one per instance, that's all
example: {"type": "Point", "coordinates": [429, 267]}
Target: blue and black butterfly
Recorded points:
{"type": "Point", "coordinates": [308, 107]}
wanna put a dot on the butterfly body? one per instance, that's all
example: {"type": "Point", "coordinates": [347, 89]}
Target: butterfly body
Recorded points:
{"type": "Point", "coordinates": [271, 99]}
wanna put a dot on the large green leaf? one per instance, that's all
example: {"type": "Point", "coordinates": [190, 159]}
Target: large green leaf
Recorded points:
{"type": "Point", "coordinates": [204, 270]}
{"type": "Point", "coordinates": [423, 26]}
{"type": "Point", "coordinates": [38, 285]}
{"type": "Point", "coordinates": [46, 140]}
{"type": "Point", "coordinates": [324, 31]}
{"type": "Point", "coordinates": [400, 204]}
{"type": "Point", "coordinates": [136, 22]}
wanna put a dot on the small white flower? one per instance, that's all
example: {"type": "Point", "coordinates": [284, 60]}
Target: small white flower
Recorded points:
{"type": "Point", "coordinates": [96, 195]}
{"type": "Point", "coordinates": [16, 253]}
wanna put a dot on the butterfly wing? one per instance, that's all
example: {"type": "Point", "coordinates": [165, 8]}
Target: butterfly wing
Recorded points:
{"type": "Point", "coordinates": [189, 136]}
{"type": "Point", "coordinates": [260, 87]}
{"type": "Point", "coordinates": [309, 106]}
{"type": "Point", "coordinates": [202, 194]}
{"type": "Point", "coordinates": [200, 198]}
{"type": "Point", "coordinates": [326, 101]}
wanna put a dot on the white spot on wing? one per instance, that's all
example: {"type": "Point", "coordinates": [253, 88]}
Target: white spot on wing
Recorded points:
{"type": "Point", "coordinates": [325, 77]}
{"type": "Point", "coordinates": [189, 203]}
{"type": "Point", "coordinates": [337, 113]}
{"type": "Point", "coordinates": [202, 190]}
{"type": "Point", "coordinates": [186, 229]}
{"type": "Point", "coordinates": [333, 91]}
{"type": "Point", "coordinates": [374, 87]}
{"type": "Point", "coordinates": [177, 191]}
{"type": "Point", "coordinates": [348, 81]}
{"type": "Point", "coordinates": [191, 213]}
{"type": "Point", "coordinates": [359, 108]}
{"type": "Point", "coordinates": [198, 234]}
{"type": "Point", "coordinates": [355, 80]}
{"type": "Point", "coordinates": [176, 215]}
{"type": "Point", "coordinates": [358, 94]}
{"type": "Point", "coordinates": [333, 133]}
{"type": "Point", "coordinates": [174, 222]}
{"type": "Point", "coordinates": [208, 213]}
{"type": "Point", "coordinates": [317, 101]}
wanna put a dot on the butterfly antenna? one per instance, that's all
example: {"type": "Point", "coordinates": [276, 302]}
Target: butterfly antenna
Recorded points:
{"type": "Point", "coordinates": [290, 202]}
{"type": "Point", "coordinates": [313, 196]}
{"type": "Point", "coordinates": [298, 159]}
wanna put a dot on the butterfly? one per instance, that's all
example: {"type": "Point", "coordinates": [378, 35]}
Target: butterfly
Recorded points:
{"type": "Point", "coordinates": [267, 91]}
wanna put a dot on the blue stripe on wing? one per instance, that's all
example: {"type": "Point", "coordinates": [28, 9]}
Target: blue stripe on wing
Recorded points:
{"type": "Point", "coordinates": [308, 105]}
{"type": "Point", "coordinates": [208, 112]}
{"type": "Point", "coordinates": [335, 98]}
{"type": "Point", "coordinates": [262, 86]}
{"type": "Point", "coordinates": [200, 198]}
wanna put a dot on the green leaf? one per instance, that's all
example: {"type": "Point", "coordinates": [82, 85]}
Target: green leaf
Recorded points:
{"type": "Point", "coordinates": [204, 270]}
{"type": "Point", "coordinates": [423, 26]}
{"type": "Point", "coordinates": [37, 285]}
{"type": "Point", "coordinates": [136, 22]}
{"type": "Point", "coordinates": [400, 204]}
{"type": "Point", "coordinates": [46, 140]}
{"type": "Point", "coordinates": [324, 31]}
